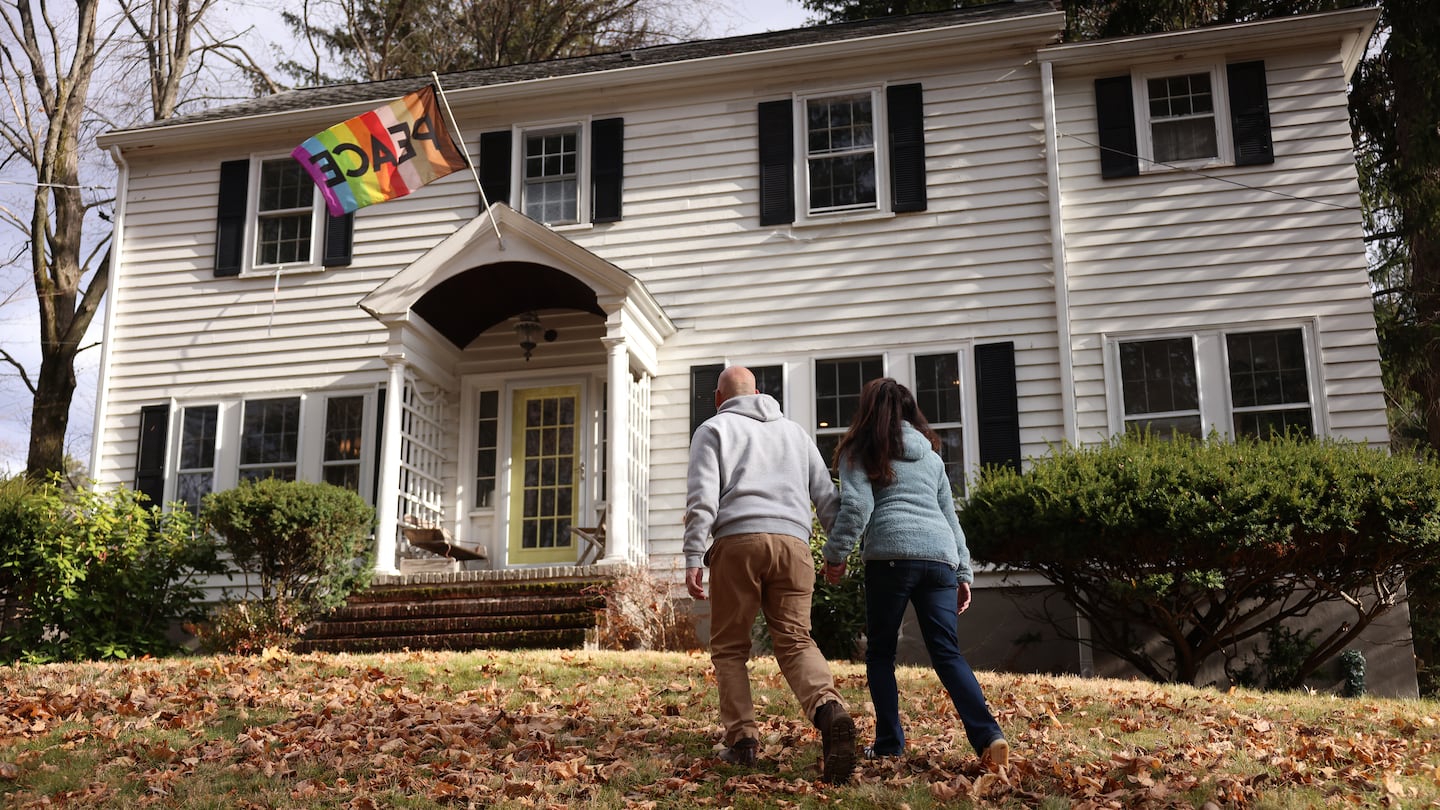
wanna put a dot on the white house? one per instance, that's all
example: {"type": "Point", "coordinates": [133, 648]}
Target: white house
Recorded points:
{"type": "Point", "coordinates": [1046, 241]}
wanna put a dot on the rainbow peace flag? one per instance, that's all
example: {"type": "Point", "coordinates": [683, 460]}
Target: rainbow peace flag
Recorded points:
{"type": "Point", "coordinates": [382, 154]}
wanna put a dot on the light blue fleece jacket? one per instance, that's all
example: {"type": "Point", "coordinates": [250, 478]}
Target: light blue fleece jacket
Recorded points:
{"type": "Point", "coordinates": [752, 470]}
{"type": "Point", "coordinates": [912, 519]}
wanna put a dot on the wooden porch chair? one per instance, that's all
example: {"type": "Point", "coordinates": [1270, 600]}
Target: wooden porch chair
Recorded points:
{"type": "Point", "coordinates": [591, 539]}
{"type": "Point", "coordinates": [437, 540]}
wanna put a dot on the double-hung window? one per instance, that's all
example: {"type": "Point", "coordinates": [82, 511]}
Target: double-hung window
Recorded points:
{"type": "Point", "coordinates": [270, 439]}
{"type": "Point", "coordinates": [285, 214]}
{"type": "Point", "coordinates": [1238, 382]}
{"type": "Point", "coordinates": [1193, 115]}
{"type": "Point", "coordinates": [344, 429]}
{"type": "Point", "coordinates": [937, 393]}
{"type": "Point", "coordinates": [195, 465]}
{"type": "Point", "coordinates": [837, 397]}
{"type": "Point", "coordinates": [841, 153]}
{"type": "Point", "coordinates": [551, 172]}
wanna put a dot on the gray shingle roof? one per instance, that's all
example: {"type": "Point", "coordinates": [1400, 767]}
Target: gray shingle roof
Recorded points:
{"type": "Point", "coordinates": [340, 94]}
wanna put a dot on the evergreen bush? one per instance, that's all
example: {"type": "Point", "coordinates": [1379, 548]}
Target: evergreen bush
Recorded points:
{"type": "Point", "coordinates": [308, 544]}
{"type": "Point", "coordinates": [1207, 545]}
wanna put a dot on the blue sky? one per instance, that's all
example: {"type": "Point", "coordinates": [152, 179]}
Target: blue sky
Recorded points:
{"type": "Point", "coordinates": [18, 326]}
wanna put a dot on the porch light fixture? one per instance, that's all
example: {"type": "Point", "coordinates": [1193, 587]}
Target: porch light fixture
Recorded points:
{"type": "Point", "coordinates": [528, 328]}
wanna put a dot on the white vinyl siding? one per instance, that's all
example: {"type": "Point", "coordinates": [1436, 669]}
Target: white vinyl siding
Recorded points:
{"type": "Point", "coordinates": [1178, 252]}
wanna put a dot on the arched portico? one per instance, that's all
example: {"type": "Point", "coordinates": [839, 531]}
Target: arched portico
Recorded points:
{"type": "Point", "coordinates": [439, 311]}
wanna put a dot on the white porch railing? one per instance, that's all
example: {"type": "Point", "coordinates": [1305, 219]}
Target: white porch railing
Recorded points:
{"type": "Point", "coordinates": [422, 458]}
{"type": "Point", "coordinates": [639, 471]}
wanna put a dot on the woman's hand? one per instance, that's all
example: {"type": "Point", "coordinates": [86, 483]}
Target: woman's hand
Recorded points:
{"type": "Point", "coordinates": [963, 597]}
{"type": "Point", "coordinates": [834, 572]}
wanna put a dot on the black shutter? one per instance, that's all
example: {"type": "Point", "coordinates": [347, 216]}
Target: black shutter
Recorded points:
{"type": "Point", "coordinates": [376, 452]}
{"type": "Point", "coordinates": [230, 217]}
{"type": "Point", "coordinates": [1115, 119]}
{"type": "Point", "coordinates": [1250, 113]}
{"type": "Point", "coordinates": [998, 404]}
{"type": "Point", "coordinates": [703, 381]}
{"type": "Point", "coordinates": [150, 453]}
{"type": "Point", "coordinates": [339, 239]}
{"type": "Point", "coordinates": [495, 166]}
{"type": "Point", "coordinates": [607, 168]}
{"type": "Point", "coordinates": [777, 150]}
{"type": "Point", "coordinates": [905, 108]}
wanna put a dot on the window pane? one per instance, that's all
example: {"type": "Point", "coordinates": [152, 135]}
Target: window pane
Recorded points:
{"type": "Point", "coordinates": [770, 380]}
{"type": "Point", "coordinates": [1182, 117]}
{"type": "Point", "coordinates": [197, 437]}
{"type": "Point", "coordinates": [1157, 376]}
{"type": "Point", "coordinates": [285, 239]}
{"type": "Point", "coordinates": [1267, 373]}
{"type": "Point", "coordinates": [284, 184]}
{"type": "Point", "coordinates": [840, 151]}
{"type": "Point", "coordinates": [486, 446]}
{"type": "Point", "coordinates": [1264, 424]}
{"type": "Point", "coordinates": [270, 433]}
{"type": "Point", "coordinates": [551, 183]}
{"type": "Point", "coordinates": [937, 387]}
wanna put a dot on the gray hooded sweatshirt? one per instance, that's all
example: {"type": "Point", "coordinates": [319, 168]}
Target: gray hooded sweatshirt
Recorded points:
{"type": "Point", "coordinates": [753, 471]}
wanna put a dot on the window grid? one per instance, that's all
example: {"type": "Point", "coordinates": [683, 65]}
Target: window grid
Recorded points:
{"type": "Point", "coordinates": [1182, 117]}
{"type": "Point", "coordinates": [837, 397]}
{"type": "Point", "coordinates": [285, 213]}
{"type": "Point", "coordinates": [770, 380]}
{"type": "Point", "coordinates": [487, 448]}
{"type": "Point", "coordinates": [549, 484]}
{"type": "Point", "coordinates": [840, 152]}
{"type": "Point", "coordinates": [269, 439]}
{"type": "Point", "coordinates": [344, 429]}
{"type": "Point", "coordinates": [1269, 387]}
{"type": "Point", "coordinates": [1159, 386]}
{"type": "Point", "coordinates": [552, 177]}
{"type": "Point", "coordinates": [937, 393]}
{"type": "Point", "coordinates": [195, 471]}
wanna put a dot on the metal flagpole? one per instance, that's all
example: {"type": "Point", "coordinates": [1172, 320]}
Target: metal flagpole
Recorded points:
{"type": "Point", "coordinates": [460, 138]}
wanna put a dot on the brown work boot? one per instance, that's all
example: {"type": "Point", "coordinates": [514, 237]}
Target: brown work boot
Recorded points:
{"type": "Point", "coordinates": [996, 754]}
{"type": "Point", "coordinates": [743, 752]}
{"type": "Point", "coordinates": [837, 738]}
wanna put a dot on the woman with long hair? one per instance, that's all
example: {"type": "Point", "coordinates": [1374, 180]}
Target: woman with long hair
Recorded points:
{"type": "Point", "coordinates": [895, 494]}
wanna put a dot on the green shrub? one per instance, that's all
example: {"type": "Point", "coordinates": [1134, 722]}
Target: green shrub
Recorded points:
{"type": "Point", "coordinates": [837, 612]}
{"type": "Point", "coordinates": [96, 574]}
{"type": "Point", "coordinates": [1207, 545]}
{"type": "Point", "coordinates": [308, 543]}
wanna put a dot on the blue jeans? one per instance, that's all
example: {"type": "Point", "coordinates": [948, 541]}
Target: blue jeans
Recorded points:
{"type": "Point", "coordinates": [931, 587]}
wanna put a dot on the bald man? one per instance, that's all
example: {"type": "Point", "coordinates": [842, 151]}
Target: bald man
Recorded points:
{"type": "Point", "coordinates": [754, 477]}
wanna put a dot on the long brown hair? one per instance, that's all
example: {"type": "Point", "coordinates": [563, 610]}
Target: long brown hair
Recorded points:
{"type": "Point", "coordinates": [874, 438]}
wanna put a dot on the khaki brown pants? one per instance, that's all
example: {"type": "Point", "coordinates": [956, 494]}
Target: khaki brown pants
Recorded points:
{"type": "Point", "coordinates": [774, 574]}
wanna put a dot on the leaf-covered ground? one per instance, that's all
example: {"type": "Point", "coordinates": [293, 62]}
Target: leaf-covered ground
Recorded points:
{"type": "Point", "coordinates": [638, 730]}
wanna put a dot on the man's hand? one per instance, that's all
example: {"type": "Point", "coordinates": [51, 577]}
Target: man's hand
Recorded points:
{"type": "Point", "coordinates": [963, 598]}
{"type": "Point", "coordinates": [834, 572]}
{"type": "Point", "coordinates": [694, 582]}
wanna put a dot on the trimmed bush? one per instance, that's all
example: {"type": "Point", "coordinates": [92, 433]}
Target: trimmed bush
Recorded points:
{"type": "Point", "coordinates": [1209, 545]}
{"type": "Point", "coordinates": [837, 612]}
{"type": "Point", "coordinates": [90, 575]}
{"type": "Point", "coordinates": [308, 544]}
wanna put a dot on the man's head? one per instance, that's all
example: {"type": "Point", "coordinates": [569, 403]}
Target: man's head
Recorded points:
{"type": "Point", "coordinates": [735, 381]}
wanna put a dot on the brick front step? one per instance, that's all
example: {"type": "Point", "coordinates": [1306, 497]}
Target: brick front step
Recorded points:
{"type": "Point", "coordinates": [512, 609]}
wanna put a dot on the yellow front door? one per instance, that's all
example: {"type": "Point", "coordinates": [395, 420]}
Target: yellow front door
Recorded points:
{"type": "Point", "coordinates": [544, 475]}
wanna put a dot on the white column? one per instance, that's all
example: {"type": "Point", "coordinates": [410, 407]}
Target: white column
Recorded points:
{"type": "Point", "coordinates": [617, 516]}
{"type": "Point", "coordinates": [388, 499]}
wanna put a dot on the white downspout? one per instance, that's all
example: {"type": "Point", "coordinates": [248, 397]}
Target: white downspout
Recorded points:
{"type": "Point", "coordinates": [1085, 654]}
{"type": "Point", "coordinates": [102, 383]}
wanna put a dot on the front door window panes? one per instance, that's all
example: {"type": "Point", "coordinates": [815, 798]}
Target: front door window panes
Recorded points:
{"type": "Point", "coordinates": [285, 215]}
{"type": "Point", "coordinates": [1182, 117]}
{"type": "Point", "coordinates": [1269, 388]}
{"type": "Point", "coordinates": [840, 152]}
{"type": "Point", "coordinates": [270, 439]}
{"type": "Point", "coordinates": [487, 448]}
{"type": "Point", "coordinates": [551, 162]}
{"type": "Point", "coordinates": [344, 425]}
{"type": "Point", "coordinates": [1159, 386]}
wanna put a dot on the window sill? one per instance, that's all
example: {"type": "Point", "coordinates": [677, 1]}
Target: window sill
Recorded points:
{"type": "Point", "coordinates": [1148, 166]}
{"type": "Point", "coordinates": [840, 218]}
{"type": "Point", "coordinates": [271, 270]}
{"type": "Point", "coordinates": [572, 227]}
